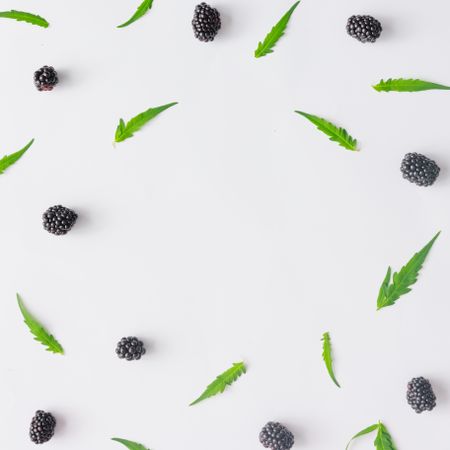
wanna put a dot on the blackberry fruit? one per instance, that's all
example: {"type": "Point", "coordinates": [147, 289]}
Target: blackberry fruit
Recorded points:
{"type": "Point", "coordinates": [420, 395]}
{"type": "Point", "coordinates": [419, 169]}
{"type": "Point", "coordinates": [364, 28]}
{"type": "Point", "coordinates": [130, 348]}
{"type": "Point", "coordinates": [276, 437]}
{"type": "Point", "coordinates": [42, 427]}
{"type": "Point", "coordinates": [206, 22]}
{"type": "Point", "coordinates": [59, 220]}
{"type": "Point", "coordinates": [45, 78]}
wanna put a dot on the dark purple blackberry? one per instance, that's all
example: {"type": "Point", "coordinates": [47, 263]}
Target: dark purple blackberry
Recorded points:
{"type": "Point", "coordinates": [42, 427]}
{"type": "Point", "coordinates": [276, 437]}
{"type": "Point", "coordinates": [130, 348]}
{"type": "Point", "coordinates": [420, 395]}
{"type": "Point", "coordinates": [59, 220]}
{"type": "Point", "coordinates": [419, 169]}
{"type": "Point", "coordinates": [206, 22]}
{"type": "Point", "coordinates": [364, 28]}
{"type": "Point", "coordinates": [45, 78]}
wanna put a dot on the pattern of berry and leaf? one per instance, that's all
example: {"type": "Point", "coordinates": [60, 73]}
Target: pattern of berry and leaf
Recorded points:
{"type": "Point", "coordinates": [336, 134]}
{"type": "Point", "coordinates": [131, 445]}
{"type": "Point", "coordinates": [141, 11]}
{"type": "Point", "coordinates": [9, 160]}
{"type": "Point", "coordinates": [408, 85]}
{"type": "Point", "coordinates": [392, 290]}
{"type": "Point", "coordinates": [23, 16]}
{"type": "Point", "coordinates": [266, 46]}
{"type": "Point", "coordinates": [127, 130]}
{"type": "Point", "coordinates": [327, 357]}
{"type": "Point", "coordinates": [222, 381]}
{"type": "Point", "coordinates": [383, 440]}
{"type": "Point", "coordinates": [40, 333]}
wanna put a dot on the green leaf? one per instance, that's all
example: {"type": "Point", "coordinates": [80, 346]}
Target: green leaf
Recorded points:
{"type": "Point", "coordinates": [125, 131]}
{"type": "Point", "coordinates": [391, 291]}
{"type": "Point", "coordinates": [362, 433]}
{"type": "Point", "coordinates": [265, 47]}
{"type": "Point", "coordinates": [40, 333]}
{"type": "Point", "coordinates": [327, 357]}
{"type": "Point", "coordinates": [130, 444]}
{"type": "Point", "coordinates": [384, 286]}
{"type": "Point", "coordinates": [384, 441]}
{"type": "Point", "coordinates": [9, 160]}
{"type": "Point", "coordinates": [143, 8]}
{"type": "Point", "coordinates": [222, 381]}
{"type": "Point", "coordinates": [407, 85]}
{"type": "Point", "coordinates": [22, 16]}
{"type": "Point", "coordinates": [336, 134]}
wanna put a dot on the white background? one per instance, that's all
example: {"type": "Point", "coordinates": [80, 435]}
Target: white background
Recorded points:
{"type": "Point", "coordinates": [227, 229]}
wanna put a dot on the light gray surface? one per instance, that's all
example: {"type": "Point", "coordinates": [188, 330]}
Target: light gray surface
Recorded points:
{"type": "Point", "coordinates": [227, 229]}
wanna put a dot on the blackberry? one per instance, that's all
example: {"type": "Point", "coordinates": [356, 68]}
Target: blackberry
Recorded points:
{"type": "Point", "coordinates": [206, 22]}
{"type": "Point", "coordinates": [419, 169]}
{"type": "Point", "coordinates": [59, 220]}
{"type": "Point", "coordinates": [45, 78]}
{"type": "Point", "coordinates": [130, 348]}
{"type": "Point", "coordinates": [420, 395]}
{"type": "Point", "coordinates": [42, 427]}
{"type": "Point", "coordinates": [276, 437]}
{"type": "Point", "coordinates": [364, 28]}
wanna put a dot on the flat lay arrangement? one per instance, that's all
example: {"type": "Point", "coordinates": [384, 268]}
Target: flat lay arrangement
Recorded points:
{"type": "Point", "coordinates": [62, 222]}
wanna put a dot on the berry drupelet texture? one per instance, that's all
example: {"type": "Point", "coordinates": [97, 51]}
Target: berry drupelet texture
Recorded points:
{"type": "Point", "coordinates": [206, 22]}
{"type": "Point", "coordinates": [130, 348]}
{"type": "Point", "coordinates": [419, 169]}
{"type": "Point", "coordinates": [59, 220]}
{"type": "Point", "coordinates": [45, 79]}
{"type": "Point", "coordinates": [276, 437]}
{"type": "Point", "coordinates": [42, 427]}
{"type": "Point", "coordinates": [420, 395]}
{"type": "Point", "coordinates": [364, 28]}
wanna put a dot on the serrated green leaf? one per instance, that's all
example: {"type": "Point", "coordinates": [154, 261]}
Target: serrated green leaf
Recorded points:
{"type": "Point", "coordinates": [9, 160]}
{"type": "Point", "coordinates": [143, 8]}
{"type": "Point", "coordinates": [407, 85]}
{"type": "Point", "coordinates": [130, 444]}
{"type": "Point", "coordinates": [327, 357]}
{"type": "Point", "coordinates": [265, 47]}
{"type": "Point", "coordinates": [335, 133]}
{"type": "Point", "coordinates": [362, 433]}
{"type": "Point", "coordinates": [125, 131]}
{"type": "Point", "coordinates": [40, 333]}
{"type": "Point", "coordinates": [384, 441]}
{"type": "Point", "coordinates": [222, 381]}
{"type": "Point", "coordinates": [391, 291]}
{"type": "Point", "coordinates": [22, 16]}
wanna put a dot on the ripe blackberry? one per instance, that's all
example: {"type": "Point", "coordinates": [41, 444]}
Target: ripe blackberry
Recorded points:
{"type": "Point", "coordinates": [42, 427]}
{"type": "Point", "coordinates": [420, 395]}
{"type": "Point", "coordinates": [59, 220]}
{"type": "Point", "coordinates": [130, 348]}
{"type": "Point", "coordinates": [206, 22]}
{"type": "Point", "coordinates": [419, 169]}
{"type": "Point", "coordinates": [45, 78]}
{"type": "Point", "coordinates": [276, 437]}
{"type": "Point", "coordinates": [364, 28]}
